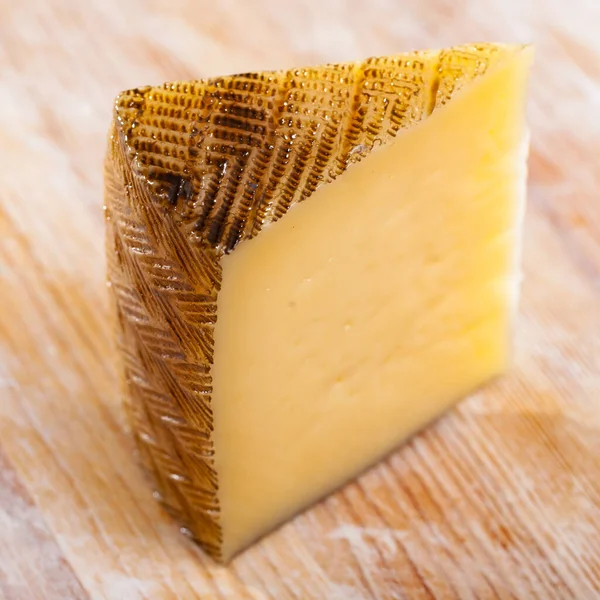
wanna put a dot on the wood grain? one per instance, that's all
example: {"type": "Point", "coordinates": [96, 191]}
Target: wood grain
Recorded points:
{"type": "Point", "coordinates": [499, 499]}
{"type": "Point", "coordinates": [26, 534]}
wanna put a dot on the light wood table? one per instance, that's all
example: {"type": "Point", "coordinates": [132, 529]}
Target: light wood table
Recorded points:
{"type": "Point", "coordinates": [499, 499]}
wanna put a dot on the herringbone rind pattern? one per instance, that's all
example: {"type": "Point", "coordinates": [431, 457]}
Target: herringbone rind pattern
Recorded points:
{"type": "Point", "coordinates": [194, 168]}
{"type": "Point", "coordinates": [165, 314]}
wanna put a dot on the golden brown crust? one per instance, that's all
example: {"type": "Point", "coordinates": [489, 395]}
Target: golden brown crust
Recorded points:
{"type": "Point", "coordinates": [165, 307]}
{"type": "Point", "coordinates": [194, 168]}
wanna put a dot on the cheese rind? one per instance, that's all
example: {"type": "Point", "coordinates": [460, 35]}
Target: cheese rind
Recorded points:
{"type": "Point", "coordinates": [307, 267]}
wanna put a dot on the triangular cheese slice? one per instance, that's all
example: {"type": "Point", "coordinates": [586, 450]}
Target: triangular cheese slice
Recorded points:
{"type": "Point", "coordinates": [307, 267]}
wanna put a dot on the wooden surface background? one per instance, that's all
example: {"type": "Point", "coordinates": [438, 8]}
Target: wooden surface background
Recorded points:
{"type": "Point", "coordinates": [499, 499]}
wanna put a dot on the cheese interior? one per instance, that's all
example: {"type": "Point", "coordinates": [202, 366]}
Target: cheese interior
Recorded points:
{"type": "Point", "coordinates": [369, 308]}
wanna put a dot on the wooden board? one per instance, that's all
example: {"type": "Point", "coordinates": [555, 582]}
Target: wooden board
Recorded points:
{"type": "Point", "coordinates": [499, 499]}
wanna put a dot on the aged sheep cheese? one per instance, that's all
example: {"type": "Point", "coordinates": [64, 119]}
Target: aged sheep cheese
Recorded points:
{"type": "Point", "coordinates": [307, 267]}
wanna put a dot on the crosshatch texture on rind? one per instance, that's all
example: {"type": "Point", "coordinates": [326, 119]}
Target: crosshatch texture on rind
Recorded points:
{"type": "Point", "coordinates": [194, 168]}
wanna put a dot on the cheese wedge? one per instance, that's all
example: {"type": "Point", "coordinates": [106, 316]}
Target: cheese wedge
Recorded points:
{"type": "Point", "coordinates": [306, 268]}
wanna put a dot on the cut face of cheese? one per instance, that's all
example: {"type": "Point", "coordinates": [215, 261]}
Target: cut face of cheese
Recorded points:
{"type": "Point", "coordinates": [368, 309]}
{"type": "Point", "coordinates": [274, 350]}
